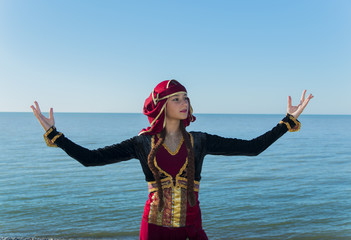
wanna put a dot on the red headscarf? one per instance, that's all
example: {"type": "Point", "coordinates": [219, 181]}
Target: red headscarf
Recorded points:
{"type": "Point", "coordinates": [155, 105]}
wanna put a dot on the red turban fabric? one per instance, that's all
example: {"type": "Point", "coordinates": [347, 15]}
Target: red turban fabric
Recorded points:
{"type": "Point", "coordinates": [155, 105]}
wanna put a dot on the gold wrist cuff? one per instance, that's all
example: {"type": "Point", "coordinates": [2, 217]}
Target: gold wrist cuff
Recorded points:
{"type": "Point", "coordinates": [51, 142]}
{"type": "Point", "coordinates": [295, 121]}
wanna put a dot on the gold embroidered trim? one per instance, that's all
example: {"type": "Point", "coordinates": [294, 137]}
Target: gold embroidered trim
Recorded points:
{"type": "Point", "coordinates": [155, 162]}
{"type": "Point", "coordinates": [51, 143]}
{"type": "Point", "coordinates": [168, 181]}
{"type": "Point", "coordinates": [162, 109]}
{"type": "Point", "coordinates": [177, 206]}
{"type": "Point", "coordinates": [178, 177]}
{"type": "Point", "coordinates": [49, 131]}
{"type": "Point", "coordinates": [177, 150]}
{"type": "Point", "coordinates": [167, 174]}
{"type": "Point", "coordinates": [56, 137]}
{"type": "Point", "coordinates": [297, 124]}
{"type": "Point", "coordinates": [169, 83]}
{"type": "Point", "coordinates": [153, 97]}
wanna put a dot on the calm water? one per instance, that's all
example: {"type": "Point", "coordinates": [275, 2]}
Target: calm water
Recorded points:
{"type": "Point", "coordinates": [299, 188]}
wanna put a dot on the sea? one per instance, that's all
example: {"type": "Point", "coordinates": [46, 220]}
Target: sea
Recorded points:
{"type": "Point", "coordinates": [299, 188]}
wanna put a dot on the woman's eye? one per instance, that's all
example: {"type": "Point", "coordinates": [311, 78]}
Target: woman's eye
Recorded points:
{"type": "Point", "coordinates": [175, 99]}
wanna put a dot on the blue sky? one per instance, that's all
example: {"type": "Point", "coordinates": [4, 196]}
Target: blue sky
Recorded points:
{"type": "Point", "coordinates": [232, 56]}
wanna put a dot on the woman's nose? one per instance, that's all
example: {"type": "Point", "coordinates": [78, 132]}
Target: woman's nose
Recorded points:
{"type": "Point", "coordinates": [184, 101]}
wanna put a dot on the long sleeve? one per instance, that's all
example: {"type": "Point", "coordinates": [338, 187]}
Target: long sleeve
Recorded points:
{"type": "Point", "coordinates": [217, 145]}
{"type": "Point", "coordinates": [102, 156]}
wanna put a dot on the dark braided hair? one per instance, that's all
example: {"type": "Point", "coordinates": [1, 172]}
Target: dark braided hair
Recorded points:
{"type": "Point", "coordinates": [191, 166]}
{"type": "Point", "coordinates": [154, 170]}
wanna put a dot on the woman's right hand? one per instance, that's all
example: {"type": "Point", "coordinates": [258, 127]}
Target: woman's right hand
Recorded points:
{"type": "Point", "coordinates": [45, 122]}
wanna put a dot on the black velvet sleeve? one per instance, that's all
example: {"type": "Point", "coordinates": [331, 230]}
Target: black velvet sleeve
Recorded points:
{"type": "Point", "coordinates": [102, 156]}
{"type": "Point", "coordinates": [217, 145]}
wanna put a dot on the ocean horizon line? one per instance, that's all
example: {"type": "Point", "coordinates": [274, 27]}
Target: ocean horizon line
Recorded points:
{"type": "Point", "coordinates": [304, 114]}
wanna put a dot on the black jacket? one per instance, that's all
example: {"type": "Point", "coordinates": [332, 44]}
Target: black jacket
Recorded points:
{"type": "Point", "coordinates": [139, 147]}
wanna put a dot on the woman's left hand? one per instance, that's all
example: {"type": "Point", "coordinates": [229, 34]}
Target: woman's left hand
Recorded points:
{"type": "Point", "coordinates": [295, 111]}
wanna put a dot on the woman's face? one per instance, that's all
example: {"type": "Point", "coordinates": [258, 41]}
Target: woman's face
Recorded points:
{"type": "Point", "coordinates": [177, 107]}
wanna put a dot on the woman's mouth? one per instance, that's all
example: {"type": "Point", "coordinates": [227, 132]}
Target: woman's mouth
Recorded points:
{"type": "Point", "coordinates": [184, 111]}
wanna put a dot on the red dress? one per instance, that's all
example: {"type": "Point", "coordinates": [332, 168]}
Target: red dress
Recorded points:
{"type": "Point", "coordinates": [177, 220]}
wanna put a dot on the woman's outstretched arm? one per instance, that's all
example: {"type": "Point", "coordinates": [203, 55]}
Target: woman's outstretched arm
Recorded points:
{"type": "Point", "coordinates": [217, 145]}
{"type": "Point", "coordinates": [102, 156]}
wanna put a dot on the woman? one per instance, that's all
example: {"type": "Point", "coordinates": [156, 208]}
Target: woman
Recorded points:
{"type": "Point", "coordinates": [171, 158]}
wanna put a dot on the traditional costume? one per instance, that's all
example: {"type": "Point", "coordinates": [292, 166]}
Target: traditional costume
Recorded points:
{"type": "Point", "coordinates": [176, 217]}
